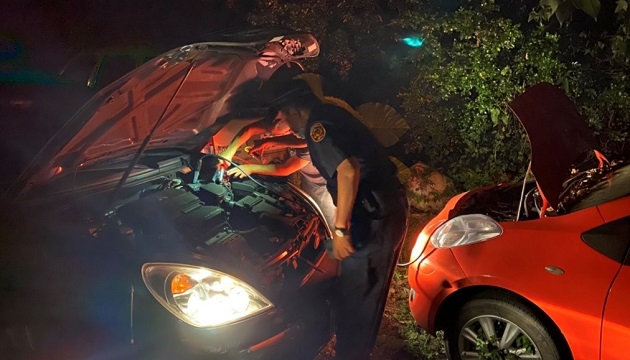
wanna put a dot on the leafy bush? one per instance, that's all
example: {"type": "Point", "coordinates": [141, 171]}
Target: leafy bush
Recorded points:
{"type": "Point", "coordinates": [475, 60]}
{"type": "Point", "coordinates": [476, 56]}
{"type": "Point", "coordinates": [599, 64]}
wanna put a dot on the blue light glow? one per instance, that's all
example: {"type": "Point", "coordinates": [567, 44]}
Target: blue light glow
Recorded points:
{"type": "Point", "coordinates": [413, 41]}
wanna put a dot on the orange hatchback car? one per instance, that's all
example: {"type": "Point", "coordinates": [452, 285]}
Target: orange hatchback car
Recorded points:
{"type": "Point", "coordinates": [538, 269]}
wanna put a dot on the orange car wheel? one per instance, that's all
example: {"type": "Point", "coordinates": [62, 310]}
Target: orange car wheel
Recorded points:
{"type": "Point", "coordinates": [498, 327]}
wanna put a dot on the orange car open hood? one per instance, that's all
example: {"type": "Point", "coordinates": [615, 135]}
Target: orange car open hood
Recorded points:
{"type": "Point", "coordinates": [189, 92]}
{"type": "Point", "coordinates": [558, 135]}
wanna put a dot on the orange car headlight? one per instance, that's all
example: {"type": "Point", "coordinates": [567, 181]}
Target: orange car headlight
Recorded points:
{"type": "Point", "coordinates": [465, 230]}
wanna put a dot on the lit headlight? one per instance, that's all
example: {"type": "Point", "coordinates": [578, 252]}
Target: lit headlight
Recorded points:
{"type": "Point", "coordinates": [465, 230]}
{"type": "Point", "coordinates": [202, 297]}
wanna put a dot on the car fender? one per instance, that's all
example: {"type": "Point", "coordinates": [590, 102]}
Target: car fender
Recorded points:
{"type": "Point", "coordinates": [546, 262]}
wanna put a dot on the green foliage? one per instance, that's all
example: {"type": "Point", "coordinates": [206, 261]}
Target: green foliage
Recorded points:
{"type": "Point", "coordinates": [488, 349]}
{"type": "Point", "coordinates": [341, 26]}
{"type": "Point", "coordinates": [563, 9]}
{"type": "Point", "coordinates": [598, 63]}
{"type": "Point", "coordinates": [620, 41]}
{"type": "Point", "coordinates": [474, 63]}
{"type": "Point", "coordinates": [423, 345]}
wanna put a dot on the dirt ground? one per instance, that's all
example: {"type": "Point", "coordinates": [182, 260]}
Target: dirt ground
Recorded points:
{"type": "Point", "coordinates": [390, 343]}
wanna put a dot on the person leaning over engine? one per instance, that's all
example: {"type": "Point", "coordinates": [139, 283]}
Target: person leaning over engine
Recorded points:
{"type": "Point", "coordinates": [371, 216]}
{"type": "Point", "coordinates": [311, 180]}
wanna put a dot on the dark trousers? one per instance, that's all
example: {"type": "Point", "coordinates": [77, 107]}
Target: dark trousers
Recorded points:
{"type": "Point", "coordinates": [365, 278]}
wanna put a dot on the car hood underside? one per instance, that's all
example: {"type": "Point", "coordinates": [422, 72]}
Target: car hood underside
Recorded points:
{"type": "Point", "coordinates": [557, 133]}
{"type": "Point", "coordinates": [177, 100]}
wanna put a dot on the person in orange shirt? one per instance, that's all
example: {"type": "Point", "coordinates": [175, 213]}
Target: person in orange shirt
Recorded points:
{"type": "Point", "coordinates": [280, 136]}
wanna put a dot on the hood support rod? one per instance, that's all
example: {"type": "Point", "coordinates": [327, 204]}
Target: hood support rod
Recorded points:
{"type": "Point", "coordinates": [520, 202]}
{"type": "Point", "coordinates": [147, 139]}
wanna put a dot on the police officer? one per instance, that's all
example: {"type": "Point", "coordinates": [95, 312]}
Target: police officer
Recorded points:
{"type": "Point", "coordinates": [371, 217]}
{"type": "Point", "coordinates": [300, 161]}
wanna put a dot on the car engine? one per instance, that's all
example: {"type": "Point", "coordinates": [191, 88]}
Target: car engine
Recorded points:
{"type": "Point", "coordinates": [581, 189]}
{"type": "Point", "coordinates": [267, 227]}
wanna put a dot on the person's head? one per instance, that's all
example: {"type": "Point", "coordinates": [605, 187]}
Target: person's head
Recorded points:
{"type": "Point", "coordinates": [280, 126]}
{"type": "Point", "coordinates": [294, 102]}
{"type": "Point", "coordinates": [275, 124]}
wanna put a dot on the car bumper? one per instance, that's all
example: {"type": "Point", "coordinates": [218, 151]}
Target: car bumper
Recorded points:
{"type": "Point", "coordinates": [303, 324]}
{"type": "Point", "coordinates": [154, 333]}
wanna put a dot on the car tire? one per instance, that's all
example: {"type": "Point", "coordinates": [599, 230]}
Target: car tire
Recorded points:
{"type": "Point", "coordinates": [505, 317]}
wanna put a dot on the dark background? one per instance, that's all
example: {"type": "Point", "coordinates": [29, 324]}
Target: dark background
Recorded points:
{"type": "Point", "coordinates": [40, 38]}
{"type": "Point", "coordinates": [49, 31]}
{"type": "Point", "coordinates": [45, 35]}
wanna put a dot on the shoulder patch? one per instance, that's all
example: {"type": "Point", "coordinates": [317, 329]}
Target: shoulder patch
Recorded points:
{"type": "Point", "coordinates": [317, 132]}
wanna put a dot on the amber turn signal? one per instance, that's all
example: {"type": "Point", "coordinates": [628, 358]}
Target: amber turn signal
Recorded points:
{"type": "Point", "coordinates": [182, 283]}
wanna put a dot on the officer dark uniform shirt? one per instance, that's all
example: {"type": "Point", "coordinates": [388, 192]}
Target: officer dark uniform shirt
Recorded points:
{"type": "Point", "coordinates": [333, 135]}
{"type": "Point", "coordinates": [378, 224]}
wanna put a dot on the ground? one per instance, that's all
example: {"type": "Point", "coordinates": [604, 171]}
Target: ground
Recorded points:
{"type": "Point", "coordinates": [398, 337]}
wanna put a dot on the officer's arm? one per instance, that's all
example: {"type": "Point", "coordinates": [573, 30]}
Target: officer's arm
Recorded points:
{"type": "Point", "coordinates": [287, 168]}
{"type": "Point", "coordinates": [293, 164]}
{"type": "Point", "coordinates": [242, 137]}
{"type": "Point", "coordinates": [290, 140]}
{"type": "Point", "coordinates": [348, 173]}
{"type": "Point", "coordinates": [279, 142]}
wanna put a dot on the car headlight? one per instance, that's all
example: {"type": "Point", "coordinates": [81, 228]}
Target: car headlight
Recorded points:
{"type": "Point", "coordinates": [202, 297]}
{"type": "Point", "coordinates": [465, 230]}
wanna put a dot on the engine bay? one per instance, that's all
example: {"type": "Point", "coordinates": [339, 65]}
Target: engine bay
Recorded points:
{"type": "Point", "coordinates": [270, 227]}
{"type": "Point", "coordinates": [583, 188]}
{"type": "Point", "coordinates": [502, 203]}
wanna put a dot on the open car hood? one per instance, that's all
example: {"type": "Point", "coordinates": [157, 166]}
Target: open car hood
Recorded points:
{"type": "Point", "coordinates": [180, 98]}
{"type": "Point", "coordinates": [558, 136]}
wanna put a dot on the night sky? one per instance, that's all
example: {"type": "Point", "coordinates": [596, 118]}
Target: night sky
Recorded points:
{"type": "Point", "coordinates": [50, 30]}
{"type": "Point", "coordinates": [40, 37]}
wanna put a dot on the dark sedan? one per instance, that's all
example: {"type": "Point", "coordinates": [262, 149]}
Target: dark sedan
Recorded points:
{"type": "Point", "coordinates": [118, 240]}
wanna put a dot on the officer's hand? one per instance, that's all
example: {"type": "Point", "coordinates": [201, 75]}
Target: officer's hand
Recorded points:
{"type": "Point", "coordinates": [222, 164]}
{"type": "Point", "coordinates": [238, 173]}
{"type": "Point", "coordinates": [228, 154]}
{"type": "Point", "coordinates": [259, 149]}
{"type": "Point", "coordinates": [342, 246]}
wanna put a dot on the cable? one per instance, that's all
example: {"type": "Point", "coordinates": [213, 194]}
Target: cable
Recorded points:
{"type": "Point", "coordinates": [235, 165]}
{"type": "Point", "coordinates": [417, 257]}
{"type": "Point", "coordinates": [275, 192]}
{"type": "Point", "coordinates": [249, 176]}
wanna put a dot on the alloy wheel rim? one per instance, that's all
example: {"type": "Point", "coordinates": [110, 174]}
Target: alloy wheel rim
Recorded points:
{"type": "Point", "coordinates": [493, 337]}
